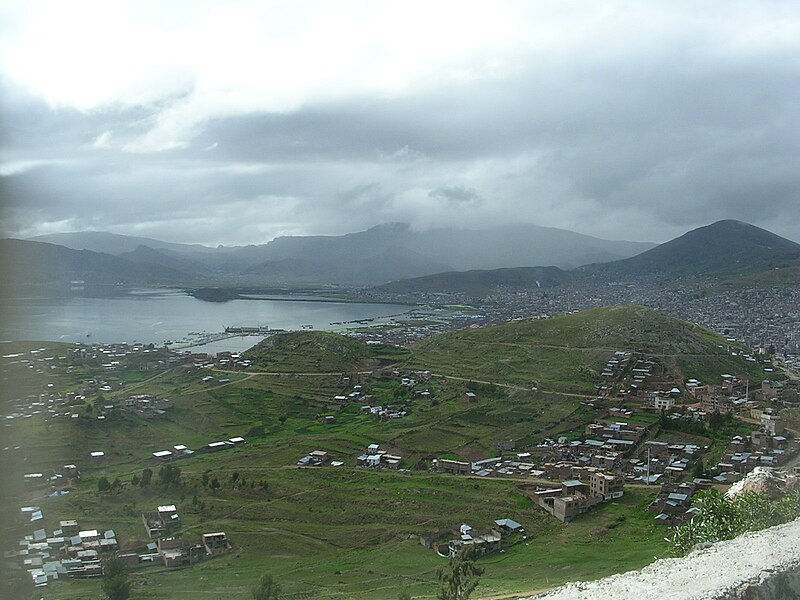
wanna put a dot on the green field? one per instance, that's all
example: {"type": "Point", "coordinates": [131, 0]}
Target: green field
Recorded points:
{"type": "Point", "coordinates": [567, 353]}
{"type": "Point", "coordinates": [345, 532]}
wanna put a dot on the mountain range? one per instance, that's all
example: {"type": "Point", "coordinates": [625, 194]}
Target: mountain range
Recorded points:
{"type": "Point", "coordinates": [377, 255]}
{"type": "Point", "coordinates": [727, 251]}
{"type": "Point", "coordinates": [403, 260]}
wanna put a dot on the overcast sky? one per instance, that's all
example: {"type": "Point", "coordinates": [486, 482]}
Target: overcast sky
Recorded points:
{"type": "Point", "coordinates": [234, 122]}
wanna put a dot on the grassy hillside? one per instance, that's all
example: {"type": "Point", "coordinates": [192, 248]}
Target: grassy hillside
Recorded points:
{"type": "Point", "coordinates": [319, 351]}
{"type": "Point", "coordinates": [328, 533]}
{"type": "Point", "coordinates": [568, 352]}
{"type": "Point", "coordinates": [479, 283]}
{"type": "Point", "coordinates": [723, 249]}
{"type": "Point", "coordinates": [335, 533]}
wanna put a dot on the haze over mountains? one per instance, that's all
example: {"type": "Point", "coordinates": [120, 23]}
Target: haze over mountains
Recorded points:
{"type": "Point", "coordinates": [466, 261]}
{"type": "Point", "coordinates": [375, 256]}
{"type": "Point", "coordinates": [726, 250]}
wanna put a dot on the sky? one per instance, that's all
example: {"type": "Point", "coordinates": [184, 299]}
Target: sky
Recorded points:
{"type": "Point", "coordinates": [235, 122]}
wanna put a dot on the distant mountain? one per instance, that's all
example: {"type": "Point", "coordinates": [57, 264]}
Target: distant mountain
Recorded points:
{"type": "Point", "coordinates": [332, 261]}
{"type": "Point", "coordinates": [52, 266]}
{"type": "Point", "coordinates": [520, 245]}
{"type": "Point", "coordinates": [113, 243]}
{"type": "Point", "coordinates": [479, 283]}
{"type": "Point", "coordinates": [377, 255]}
{"type": "Point", "coordinates": [145, 255]}
{"type": "Point", "coordinates": [723, 249]}
{"type": "Point", "coordinates": [489, 248]}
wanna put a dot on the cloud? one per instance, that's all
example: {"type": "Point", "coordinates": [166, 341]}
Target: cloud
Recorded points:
{"type": "Point", "coordinates": [456, 196]}
{"type": "Point", "coordinates": [238, 123]}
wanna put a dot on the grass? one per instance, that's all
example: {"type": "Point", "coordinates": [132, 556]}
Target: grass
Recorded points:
{"type": "Point", "coordinates": [567, 353]}
{"type": "Point", "coordinates": [347, 532]}
{"type": "Point", "coordinates": [371, 550]}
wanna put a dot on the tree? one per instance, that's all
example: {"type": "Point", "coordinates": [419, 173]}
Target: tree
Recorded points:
{"type": "Point", "coordinates": [147, 475]}
{"type": "Point", "coordinates": [459, 579]}
{"type": "Point", "coordinates": [115, 580]}
{"type": "Point", "coordinates": [169, 474]}
{"type": "Point", "coordinates": [103, 485]}
{"type": "Point", "coordinates": [404, 595]}
{"type": "Point", "coordinates": [266, 589]}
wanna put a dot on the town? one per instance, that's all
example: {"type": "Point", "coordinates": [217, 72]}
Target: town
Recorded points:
{"type": "Point", "coordinates": [643, 432]}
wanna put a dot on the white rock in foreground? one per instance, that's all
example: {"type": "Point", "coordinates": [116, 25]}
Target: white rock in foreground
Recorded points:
{"type": "Point", "coordinates": [759, 565]}
{"type": "Point", "coordinates": [765, 480]}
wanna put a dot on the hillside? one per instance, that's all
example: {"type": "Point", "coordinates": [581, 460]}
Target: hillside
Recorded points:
{"type": "Point", "coordinates": [318, 352]}
{"type": "Point", "coordinates": [372, 257]}
{"type": "Point", "coordinates": [480, 283]}
{"type": "Point", "coordinates": [729, 252]}
{"type": "Point", "coordinates": [52, 266]}
{"type": "Point", "coordinates": [568, 352]}
{"type": "Point", "coordinates": [722, 249]}
{"type": "Point", "coordinates": [113, 243]}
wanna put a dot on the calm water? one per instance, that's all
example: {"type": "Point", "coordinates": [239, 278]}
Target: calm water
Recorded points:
{"type": "Point", "coordinates": [154, 317]}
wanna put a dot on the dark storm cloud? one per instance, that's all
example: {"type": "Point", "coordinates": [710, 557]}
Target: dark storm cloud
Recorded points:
{"type": "Point", "coordinates": [642, 144]}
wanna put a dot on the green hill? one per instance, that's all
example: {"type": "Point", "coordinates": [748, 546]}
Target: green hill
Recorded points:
{"type": "Point", "coordinates": [569, 352]}
{"type": "Point", "coordinates": [479, 283]}
{"type": "Point", "coordinates": [318, 352]}
{"type": "Point", "coordinates": [722, 249]}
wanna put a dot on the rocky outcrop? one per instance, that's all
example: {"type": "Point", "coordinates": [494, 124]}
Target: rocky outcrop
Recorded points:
{"type": "Point", "coordinates": [765, 480]}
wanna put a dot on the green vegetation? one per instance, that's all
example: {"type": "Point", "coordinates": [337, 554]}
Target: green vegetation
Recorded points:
{"type": "Point", "coordinates": [345, 532]}
{"type": "Point", "coordinates": [459, 578]}
{"type": "Point", "coordinates": [567, 353]}
{"type": "Point", "coordinates": [480, 283]}
{"type": "Point", "coordinates": [115, 580]}
{"type": "Point", "coordinates": [267, 588]}
{"type": "Point", "coordinates": [316, 351]}
{"type": "Point", "coordinates": [722, 518]}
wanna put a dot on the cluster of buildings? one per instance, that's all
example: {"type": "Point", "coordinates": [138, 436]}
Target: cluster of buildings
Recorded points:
{"type": "Point", "coordinates": [575, 497]}
{"type": "Point", "coordinates": [319, 458]}
{"type": "Point", "coordinates": [170, 550]}
{"type": "Point", "coordinates": [223, 360]}
{"type": "Point", "coordinates": [769, 446]}
{"type": "Point", "coordinates": [66, 552]}
{"type": "Point", "coordinates": [451, 542]}
{"type": "Point", "coordinates": [58, 483]}
{"type": "Point", "coordinates": [673, 503]}
{"type": "Point", "coordinates": [373, 457]}
{"type": "Point", "coordinates": [489, 467]}
{"type": "Point", "coordinates": [376, 458]}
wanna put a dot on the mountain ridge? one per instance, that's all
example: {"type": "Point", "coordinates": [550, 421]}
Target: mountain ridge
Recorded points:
{"type": "Point", "coordinates": [728, 251]}
{"type": "Point", "coordinates": [377, 255]}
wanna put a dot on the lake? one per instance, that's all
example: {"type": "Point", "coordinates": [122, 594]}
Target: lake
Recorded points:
{"type": "Point", "coordinates": [147, 316]}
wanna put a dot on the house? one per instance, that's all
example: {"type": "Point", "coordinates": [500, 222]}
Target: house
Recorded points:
{"type": "Point", "coordinates": [455, 467]}
{"type": "Point", "coordinates": [216, 543]}
{"type": "Point", "coordinates": [315, 458]}
{"type": "Point", "coordinates": [606, 486]}
{"type": "Point", "coordinates": [509, 525]}
{"type": "Point", "coordinates": [173, 551]}
{"type": "Point", "coordinates": [69, 528]}
{"type": "Point", "coordinates": [160, 521]}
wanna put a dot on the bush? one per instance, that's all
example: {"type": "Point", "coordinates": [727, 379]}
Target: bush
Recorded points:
{"type": "Point", "coordinates": [722, 518]}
